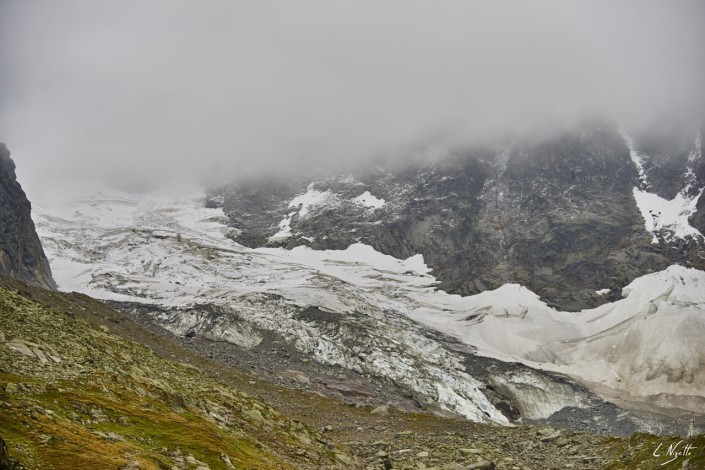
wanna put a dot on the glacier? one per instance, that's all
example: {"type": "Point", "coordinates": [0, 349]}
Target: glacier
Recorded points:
{"type": "Point", "coordinates": [167, 249]}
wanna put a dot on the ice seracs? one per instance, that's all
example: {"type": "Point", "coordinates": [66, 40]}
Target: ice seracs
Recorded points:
{"type": "Point", "coordinates": [176, 257]}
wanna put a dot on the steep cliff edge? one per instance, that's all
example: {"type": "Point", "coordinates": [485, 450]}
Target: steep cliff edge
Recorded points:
{"type": "Point", "coordinates": [21, 253]}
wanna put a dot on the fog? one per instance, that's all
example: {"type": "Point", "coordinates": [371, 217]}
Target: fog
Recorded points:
{"type": "Point", "coordinates": [148, 90]}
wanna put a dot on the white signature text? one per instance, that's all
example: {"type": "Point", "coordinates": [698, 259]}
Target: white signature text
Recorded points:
{"type": "Point", "coordinates": [674, 451]}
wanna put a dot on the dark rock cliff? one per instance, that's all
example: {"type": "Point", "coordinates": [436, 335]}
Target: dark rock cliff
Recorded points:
{"type": "Point", "coordinates": [21, 253]}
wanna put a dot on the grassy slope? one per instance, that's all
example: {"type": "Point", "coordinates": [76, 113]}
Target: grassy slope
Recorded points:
{"type": "Point", "coordinates": [112, 403]}
{"type": "Point", "coordinates": [81, 397]}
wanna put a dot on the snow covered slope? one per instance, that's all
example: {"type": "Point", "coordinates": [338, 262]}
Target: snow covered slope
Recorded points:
{"type": "Point", "coordinates": [171, 251]}
{"type": "Point", "coordinates": [648, 346]}
{"type": "Point", "coordinates": [668, 218]}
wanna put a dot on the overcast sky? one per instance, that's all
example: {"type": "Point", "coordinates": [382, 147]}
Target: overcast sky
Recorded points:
{"type": "Point", "coordinates": [154, 89]}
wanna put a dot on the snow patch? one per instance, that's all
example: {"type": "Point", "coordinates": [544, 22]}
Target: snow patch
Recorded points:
{"type": "Point", "coordinates": [368, 200]}
{"type": "Point", "coordinates": [636, 158]}
{"type": "Point", "coordinates": [673, 215]}
{"type": "Point", "coordinates": [310, 198]}
{"type": "Point", "coordinates": [301, 204]}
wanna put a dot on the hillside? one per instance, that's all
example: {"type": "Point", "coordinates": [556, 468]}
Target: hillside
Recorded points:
{"type": "Point", "coordinates": [78, 389]}
{"type": "Point", "coordinates": [75, 395]}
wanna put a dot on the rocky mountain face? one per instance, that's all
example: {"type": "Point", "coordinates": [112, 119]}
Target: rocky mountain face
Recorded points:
{"type": "Point", "coordinates": [21, 253]}
{"type": "Point", "coordinates": [556, 214]}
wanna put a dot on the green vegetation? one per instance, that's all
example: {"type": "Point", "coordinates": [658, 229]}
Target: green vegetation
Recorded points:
{"type": "Point", "coordinates": [73, 395]}
{"type": "Point", "coordinates": [78, 389]}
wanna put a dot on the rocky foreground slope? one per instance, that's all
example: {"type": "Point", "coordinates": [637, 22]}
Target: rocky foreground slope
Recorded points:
{"type": "Point", "coordinates": [78, 389]}
{"type": "Point", "coordinates": [75, 395]}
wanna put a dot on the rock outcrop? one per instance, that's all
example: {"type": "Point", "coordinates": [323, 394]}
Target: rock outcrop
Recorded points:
{"type": "Point", "coordinates": [21, 253]}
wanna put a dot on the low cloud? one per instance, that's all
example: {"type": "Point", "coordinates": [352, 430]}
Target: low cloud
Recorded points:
{"type": "Point", "coordinates": [147, 90]}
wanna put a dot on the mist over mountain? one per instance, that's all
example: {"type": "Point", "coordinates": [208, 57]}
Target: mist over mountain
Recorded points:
{"type": "Point", "coordinates": [566, 214]}
{"type": "Point", "coordinates": [134, 92]}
